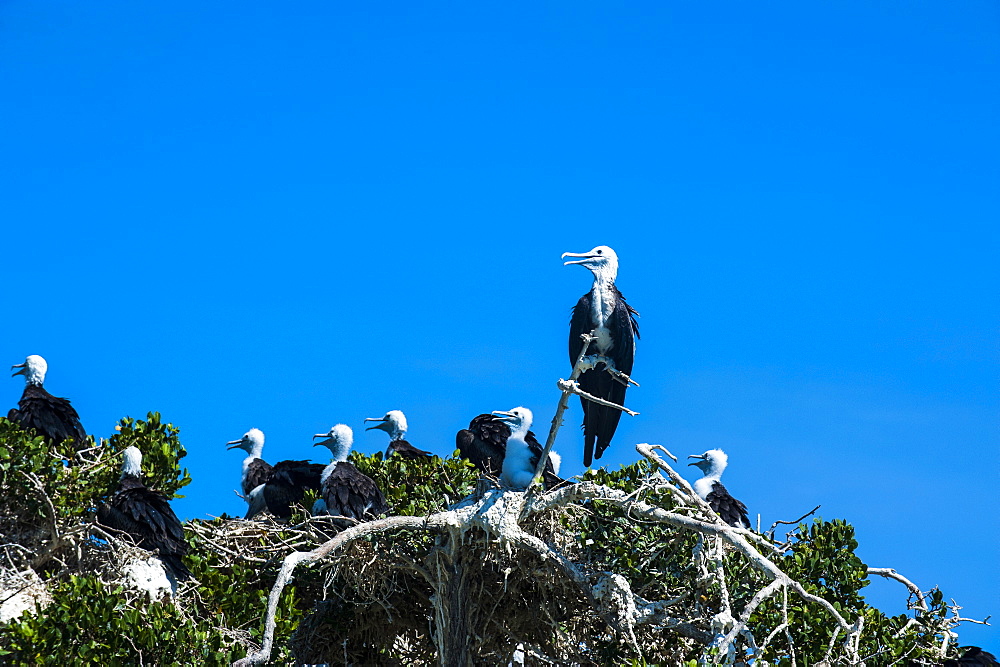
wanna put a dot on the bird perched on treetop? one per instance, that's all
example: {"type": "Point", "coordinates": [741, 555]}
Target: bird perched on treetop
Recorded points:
{"type": "Point", "coordinates": [710, 489]}
{"type": "Point", "coordinates": [519, 459]}
{"type": "Point", "coordinates": [146, 516]}
{"type": "Point", "coordinates": [272, 488]}
{"type": "Point", "coordinates": [51, 416]}
{"type": "Point", "coordinates": [394, 423]}
{"type": "Point", "coordinates": [345, 490]}
{"type": "Point", "coordinates": [604, 312]}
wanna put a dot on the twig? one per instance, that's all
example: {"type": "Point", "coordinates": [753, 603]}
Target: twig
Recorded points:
{"type": "Point", "coordinates": [557, 420]}
{"type": "Point", "coordinates": [791, 523]}
{"type": "Point", "coordinates": [573, 387]}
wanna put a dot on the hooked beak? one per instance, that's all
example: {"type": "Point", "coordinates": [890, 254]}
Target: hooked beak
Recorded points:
{"type": "Point", "coordinates": [505, 417]}
{"type": "Point", "coordinates": [23, 371]}
{"type": "Point", "coordinates": [585, 255]}
{"type": "Point", "coordinates": [233, 444]}
{"type": "Point", "coordinates": [383, 426]}
{"type": "Point", "coordinates": [328, 437]}
{"type": "Point", "coordinates": [700, 457]}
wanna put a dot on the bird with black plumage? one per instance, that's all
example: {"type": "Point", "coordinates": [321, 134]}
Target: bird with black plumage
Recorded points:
{"type": "Point", "coordinates": [50, 416]}
{"type": "Point", "coordinates": [710, 488]}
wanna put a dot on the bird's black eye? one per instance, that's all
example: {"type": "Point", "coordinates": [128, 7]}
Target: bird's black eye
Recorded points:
{"type": "Point", "coordinates": [600, 252]}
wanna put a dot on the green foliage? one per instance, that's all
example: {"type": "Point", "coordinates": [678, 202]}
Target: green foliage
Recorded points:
{"type": "Point", "coordinates": [652, 556]}
{"type": "Point", "coordinates": [371, 603]}
{"type": "Point", "coordinates": [31, 468]}
{"type": "Point", "coordinates": [232, 594]}
{"type": "Point", "coordinates": [416, 487]}
{"type": "Point", "coordinates": [23, 453]}
{"type": "Point", "coordinates": [161, 452]}
{"type": "Point", "coordinates": [822, 558]}
{"type": "Point", "coordinates": [88, 623]}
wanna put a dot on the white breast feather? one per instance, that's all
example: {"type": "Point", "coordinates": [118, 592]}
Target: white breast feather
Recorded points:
{"type": "Point", "coordinates": [602, 308]}
{"type": "Point", "coordinates": [517, 468]}
{"type": "Point", "coordinates": [246, 465]}
{"type": "Point", "coordinates": [604, 341]}
{"type": "Point", "coordinates": [703, 487]}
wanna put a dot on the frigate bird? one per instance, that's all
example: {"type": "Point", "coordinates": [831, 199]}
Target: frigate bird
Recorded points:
{"type": "Point", "coordinates": [394, 423]}
{"type": "Point", "coordinates": [345, 491]}
{"type": "Point", "coordinates": [145, 515]}
{"type": "Point", "coordinates": [272, 488]}
{"type": "Point", "coordinates": [484, 442]}
{"type": "Point", "coordinates": [973, 657]}
{"type": "Point", "coordinates": [49, 415]}
{"type": "Point", "coordinates": [711, 490]}
{"type": "Point", "coordinates": [604, 312]}
{"type": "Point", "coordinates": [519, 458]}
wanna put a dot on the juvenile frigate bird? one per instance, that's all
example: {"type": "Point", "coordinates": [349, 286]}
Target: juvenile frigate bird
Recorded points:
{"type": "Point", "coordinates": [519, 458]}
{"type": "Point", "coordinates": [272, 488]}
{"type": "Point", "coordinates": [602, 310]}
{"type": "Point", "coordinates": [49, 415]}
{"type": "Point", "coordinates": [145, 515]}
{"type": "Point", "coordinates": [345, 490]}
{"type": "Point", "coordinates": [484, 442]}
{"type": "Point", "coordinates": [394, 423]}
{"type": "Point", "coordinates": [711, 490]}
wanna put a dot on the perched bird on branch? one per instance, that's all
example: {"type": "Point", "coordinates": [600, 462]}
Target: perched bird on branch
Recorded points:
{"type": "Point", "coordinates": [51, 416]}
{"type": "Point", "coordinates": [604, 312]}
{"type": "Point", "coordinates": [394, 423]}
{"type": "Point", "coordinates": [485, 441]}
{"type": "Point", "coordinates": [711, 490]}
{"type": "Point", "coordinates": [520, 459]}
{"type": "Point", "coordinates": [272, 488]}
{"type": "Point", "coordinates": [145, 515]}
{"type": "Point", "coordinates": [345, 490]}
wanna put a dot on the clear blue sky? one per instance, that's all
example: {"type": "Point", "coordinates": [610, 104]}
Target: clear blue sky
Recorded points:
{"type": "Point", "coordinates": [288, 215]}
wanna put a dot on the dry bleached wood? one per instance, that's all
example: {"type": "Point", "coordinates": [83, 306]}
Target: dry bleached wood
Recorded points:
{"type": "Point", "coordinates": [499, 514]}
{"type": "Point", "coordinates": [569, 387]}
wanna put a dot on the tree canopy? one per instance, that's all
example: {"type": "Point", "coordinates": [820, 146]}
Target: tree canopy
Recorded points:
{"type": "Point", "coordinates": [622, 567]}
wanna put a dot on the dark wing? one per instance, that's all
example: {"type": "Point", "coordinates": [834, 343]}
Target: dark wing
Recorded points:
{"type": "Point", "coordinates": [601, 422]}
{"type": "Point", "coordinates": [49, 415]}
{"type": "Point", "coordinates": [549, 475]}
{"type": "Point", "coordinates": [348, 492]}
{"type": "Point", "coordinates": [731, 510]}
{"type": "Point", "coordinates": [973, 657]}
{"type": "Point", "coordinates": [484, 443]}
{"type": "Point", "coordinates": [258, 472]}
{"type": "Point", "coordinates": [146, 516]}
{"type": "Point", "coordinates": [408, 451]}
{"type": "Point", "coordinates": [287, 485]}
{"type": "Point", "coordinates": [625, 331]}
{"type": "Point", "coordinates": [580, 323]}
{"type": "Point", "coordinates": [592, 382]}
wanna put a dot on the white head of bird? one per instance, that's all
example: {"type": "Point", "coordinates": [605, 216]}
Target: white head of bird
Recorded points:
{"type": "Point", "coordinates": [518, 419]}
{"type": "Point", "coordinates": [711, 463]}
{"type": "Point", "coordinates": [339, 441]}
{"type": "Point", "coordinates": [33, 369]}
{"type": "Point", "coordinates": [252, 442]}
{"type": "Point", "coordinates": [394, 423]}
{"type": "Point", "coordinates": [132, 462]}
{"type": "Point", "coordinates": [602, 262]}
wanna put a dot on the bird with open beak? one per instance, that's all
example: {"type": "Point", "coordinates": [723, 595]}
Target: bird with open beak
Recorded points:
{"type": "Point", "coordinates": [603, 313]}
